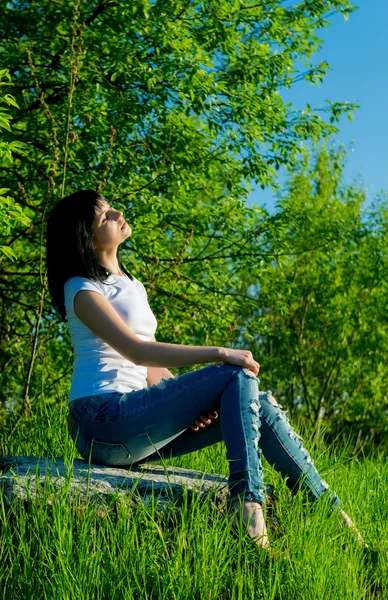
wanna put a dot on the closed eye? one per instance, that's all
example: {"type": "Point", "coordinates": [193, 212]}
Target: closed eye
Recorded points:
{"type": "Point", "coordinates": [105, 218]}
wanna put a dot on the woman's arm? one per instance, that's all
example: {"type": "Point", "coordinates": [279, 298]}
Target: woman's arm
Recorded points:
{"type": "Point", "coordinates": [155, 374]}
{"type": "Point", "coordinates": [98, 314]}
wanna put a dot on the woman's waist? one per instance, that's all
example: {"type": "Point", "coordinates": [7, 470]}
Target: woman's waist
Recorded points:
{"type": "Point", "coordinates": [120, 389]}
{"type": "Point", "coordinates": [100, 384]}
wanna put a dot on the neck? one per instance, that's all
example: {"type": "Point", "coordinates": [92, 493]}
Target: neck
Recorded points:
{"type": "Point", "coordinates": [108, 259]}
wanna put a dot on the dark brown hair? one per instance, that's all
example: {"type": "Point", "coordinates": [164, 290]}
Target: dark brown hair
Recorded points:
{"type": "Point", "coordinates": [69, 244]}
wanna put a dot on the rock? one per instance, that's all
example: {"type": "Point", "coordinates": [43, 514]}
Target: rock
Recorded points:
{"type": "Point", "coordinates": [24, 476]}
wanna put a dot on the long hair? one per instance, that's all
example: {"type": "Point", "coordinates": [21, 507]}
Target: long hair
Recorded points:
{"type": "Point", "coordinates": [69, 245]}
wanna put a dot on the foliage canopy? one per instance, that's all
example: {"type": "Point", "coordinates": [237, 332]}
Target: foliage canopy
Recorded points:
{"type": "Point", "coordinates": [170, 109]}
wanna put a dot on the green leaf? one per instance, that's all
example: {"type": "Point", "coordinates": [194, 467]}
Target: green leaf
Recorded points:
{"type": "Point", "coordinates": [10, 100]}
{"type": "Point", "coordinates": [9, 253]}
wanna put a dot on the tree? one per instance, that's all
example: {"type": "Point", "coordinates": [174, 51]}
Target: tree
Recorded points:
{"type": "Point", "coordinates": [168, 108]}
{"type": "Point", "coordinates": [322, 328]}
{"type": "Point", "coordinates": [11, 214]}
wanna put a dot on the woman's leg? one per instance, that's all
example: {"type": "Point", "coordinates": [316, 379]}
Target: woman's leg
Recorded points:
{"type": "Point", "coordinates": [283, 449]}
{"type": "Point", "coordinates": [121, 429]}
{"type": "Point", "coordinates": [280, 444]}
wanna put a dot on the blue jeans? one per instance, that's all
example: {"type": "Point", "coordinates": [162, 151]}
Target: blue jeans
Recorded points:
{"type": "Point", "coordinates": [120, 429]}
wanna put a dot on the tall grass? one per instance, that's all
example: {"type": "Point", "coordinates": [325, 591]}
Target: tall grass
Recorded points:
{"type": "Point", "coordinates": [54, 549]}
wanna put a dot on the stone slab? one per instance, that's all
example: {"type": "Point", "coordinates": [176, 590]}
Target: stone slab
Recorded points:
{"type": "Point", "coordinates": [23, 477]}
{"type": "Point", "coordinates": [27, 477]}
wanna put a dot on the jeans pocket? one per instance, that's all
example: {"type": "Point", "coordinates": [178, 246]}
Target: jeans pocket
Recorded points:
{"type": "Point", "coordinates": [108, 454]}
{"type": "Point", "coordinates": [104, 407]}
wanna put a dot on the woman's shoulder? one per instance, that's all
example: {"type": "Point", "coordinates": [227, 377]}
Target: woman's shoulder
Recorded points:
{"type": "Point", "coordinates": [76, 279]}
{"type": "Point", "coordinates": [78, 282]}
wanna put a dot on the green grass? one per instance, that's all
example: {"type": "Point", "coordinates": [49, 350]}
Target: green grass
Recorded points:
{"type": "Point", "coordinates": [63, 551]}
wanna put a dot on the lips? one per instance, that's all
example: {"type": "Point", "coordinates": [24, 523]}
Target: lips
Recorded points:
{"type": "Point", "coordinates": [123, 225]}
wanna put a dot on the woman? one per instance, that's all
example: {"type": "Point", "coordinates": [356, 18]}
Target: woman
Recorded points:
{"type": "Point", "coordinates": [125, 405]}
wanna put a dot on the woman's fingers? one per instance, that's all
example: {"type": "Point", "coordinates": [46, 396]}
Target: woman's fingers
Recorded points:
{"type": "Point", "coordinates": [198, 424]}
{"type": "Point", "coordinates": [203, 420]}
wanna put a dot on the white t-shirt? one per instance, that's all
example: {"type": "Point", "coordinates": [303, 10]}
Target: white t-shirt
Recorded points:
{"type": "Point", "coordinates": [97, 367]}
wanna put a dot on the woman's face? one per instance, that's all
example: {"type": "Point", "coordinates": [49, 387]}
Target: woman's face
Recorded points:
{"type": "Point", "coordinates": [109, 227]}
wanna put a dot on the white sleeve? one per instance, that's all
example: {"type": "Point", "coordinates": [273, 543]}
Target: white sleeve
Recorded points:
{"type": "Point", "coordinates": [144, 290]}
{"type": "Point", "coordinates": [75, 285]}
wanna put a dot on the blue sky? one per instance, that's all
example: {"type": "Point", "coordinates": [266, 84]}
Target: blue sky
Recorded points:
{"type": "Point", "coordinates": [357, 52]}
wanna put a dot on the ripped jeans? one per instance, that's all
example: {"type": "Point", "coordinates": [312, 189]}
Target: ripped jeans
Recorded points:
{"type": "Point", "coordinates": [120, 429]}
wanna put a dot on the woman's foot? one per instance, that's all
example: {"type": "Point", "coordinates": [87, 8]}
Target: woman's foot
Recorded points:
{"type": "Point", "coordinates": [253, 519]}
{"type": "Point", "coordinates": [349, 523]}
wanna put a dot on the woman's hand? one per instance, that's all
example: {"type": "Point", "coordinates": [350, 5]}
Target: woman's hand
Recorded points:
{"type": "Point", "coordinates": [241, 358]}
{"type": "Point", "coordinates": [203, 421]}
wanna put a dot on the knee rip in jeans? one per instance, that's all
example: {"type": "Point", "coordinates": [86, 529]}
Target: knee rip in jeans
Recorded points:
{"type": "Point", "coordinates": [272, 399]}
{"type": "Point", "coordinates": [282, 414]}
{"type": "Point", "coordinates": [255, 408]}
{"type": "Point", "coordinates": [250, 373]}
